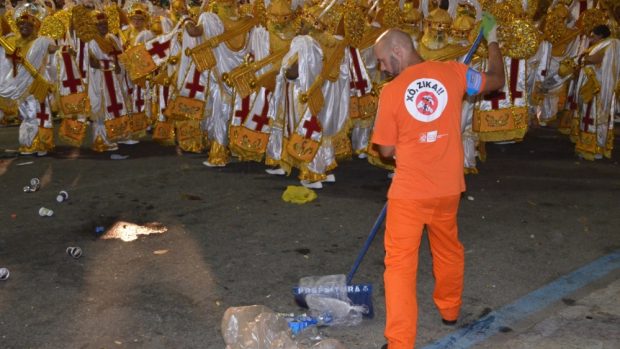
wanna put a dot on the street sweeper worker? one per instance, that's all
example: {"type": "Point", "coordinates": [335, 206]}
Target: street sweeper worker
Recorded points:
{"type": "Point", "coordinates": [418, 124]}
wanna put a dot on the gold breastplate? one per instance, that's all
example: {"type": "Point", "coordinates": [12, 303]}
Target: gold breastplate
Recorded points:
{"type": "Point", "coordinates": [24, 45]}
{"type": "Point", "coordinates": [279, 41]}
{"type": "Point", "coordinates": [236, 43]}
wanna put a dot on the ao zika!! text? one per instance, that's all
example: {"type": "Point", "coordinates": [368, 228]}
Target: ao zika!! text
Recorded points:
{"type": "Point", "coordinates": [411, 93]}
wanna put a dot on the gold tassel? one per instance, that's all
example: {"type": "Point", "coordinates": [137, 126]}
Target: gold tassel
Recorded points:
{"type": "Point", "coordinates": [40, 88]}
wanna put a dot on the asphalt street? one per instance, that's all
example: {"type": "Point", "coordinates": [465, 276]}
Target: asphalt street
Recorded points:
{"type": "Point", "coordinates": [224, 237]}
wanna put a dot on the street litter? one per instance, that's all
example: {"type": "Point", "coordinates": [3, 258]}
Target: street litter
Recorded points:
{"type": "Point", "coordinates": [257, 326]}
{"type": "Point", "coordinates": [329, 297]}
{"type": "Point", "coordinates": [45, 212]}
{"type": "Point", "coordinates": [298, 194]}
{"type": "Point", "coordinates": [4, 274]}
{"type": "Point", "coordinates": [349, 300]}
{"type": "Point", "coordinates": [118, 157]}
{"type": "Point", "coordinates": [301, 322]}
{"type": "Point", "coordinates": [25, 163]}
{"type": "Point", "coordinates": [470, 198]}
{"type": "Point", "coordinates": [34, 185]}
{"type": "Point", "coordinates": [74, 252]}
{"type": "Point", "coordinates": [62, 196]}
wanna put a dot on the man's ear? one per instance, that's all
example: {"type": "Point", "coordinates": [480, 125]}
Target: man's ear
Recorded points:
{"type": "Point", "coordinates": [398, 51]}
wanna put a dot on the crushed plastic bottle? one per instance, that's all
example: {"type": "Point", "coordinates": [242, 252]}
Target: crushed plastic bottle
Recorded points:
{"type": "Point", "coordinates": [300, 322]}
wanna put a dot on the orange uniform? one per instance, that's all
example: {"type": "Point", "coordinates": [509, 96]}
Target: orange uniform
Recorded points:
{"type": "Point", "coordinates": [419, 114]}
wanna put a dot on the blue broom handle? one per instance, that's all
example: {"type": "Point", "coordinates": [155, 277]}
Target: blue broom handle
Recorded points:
{"type": "Point", "coordinates": [371, 237]}
{"type": "Point", "coordinates": [473, 48]}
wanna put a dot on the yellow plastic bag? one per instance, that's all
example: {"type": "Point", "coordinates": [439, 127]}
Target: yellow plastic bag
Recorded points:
{"type": "Point", "coordinates": [298, 194]}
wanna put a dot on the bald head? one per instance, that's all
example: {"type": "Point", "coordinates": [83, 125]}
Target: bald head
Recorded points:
{"type": "Point", "coordinates": [395, 38]}
{"type": "Point", "coordinates": [395, 52]}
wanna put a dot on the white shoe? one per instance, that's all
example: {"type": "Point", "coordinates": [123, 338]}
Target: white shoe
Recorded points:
{"type": "Point", "coordinates": [208, 164]}
{"type": "Point", "coordinates": [311, 185]}
{"type": "Point", "coordinates": [505, 142]}
{"type": "Point", "coordinates": [598, 156]}
{"type": "Point", "coordinates": [26, 152]}
{"type": "Point", "coordinates": [129, 142]}
{"type": "Point", "coordinates": [111, 147]}
{"type": "Point", "coordinates": [362, 156]}
{"type": "Point", "coordinates": [41, 153]}
{"type": "Point", "coordinates": [276, 171]}
{"type": "Point", "coordinates": [330, 178]}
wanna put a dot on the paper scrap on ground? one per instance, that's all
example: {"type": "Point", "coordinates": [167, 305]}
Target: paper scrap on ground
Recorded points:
{"type": "Point", "coordinates": [298, 194]}
{"type": "Point", "coordinates": [118, 157]}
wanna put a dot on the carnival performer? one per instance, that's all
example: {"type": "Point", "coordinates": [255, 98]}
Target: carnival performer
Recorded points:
{"type": "Point", "coordinates": [254, 83]}
{"type": "Point", "coordinates": [552, 76]}
{"type": "Point", "coordinates": [219, 43]}
{"type": "Point", "coordinates": [313, 109]}
{"type": "Point", "coordinates": [364, 76]}
{"type": "Point", "coordinates": [503, 116]}
{"type": "Point", "coordinates": [164, 131]}
{"type": "Point", "coordinates": [106, 88]}
{"type": "Point", "coordinates": [71, 94]}
{"type": "Point", "coordinates": [24, 82]}
{"type": "Point", "coordinates": [138, 32]}
{"type": "Point", "coordinates": [598, 88]}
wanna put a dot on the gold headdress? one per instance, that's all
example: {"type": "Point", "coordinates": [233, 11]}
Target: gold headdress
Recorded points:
{"type": "Point", "coordinates": [279, 12]}
{"type": "Point", "coordinates": [437, 27]}
{"type": "Point", "coordinates": [411, 19]}
{"type": "Point", "coordinates": [138, 9]}
{"type": "Point", "coordinates": [177, 6]}
{"type": "Point", "coordinates": [354, 22]}
{"type": "Point", "coordinates": [508, 10]}
{"type": "Point", "coordinates": [99, 17]}
{"type": "Point", "coordinates": [590, 19]}
{"type": "Point", "coordinates": [325, 17]}
{"type": "Point", "coordinates": [468, 13]}
{"type": "Point", "coordinates": [555, 23]}
{"type": "Point", "coordinates": [30, 12]}
{"type": "Point", "coordinates": [388, 14]}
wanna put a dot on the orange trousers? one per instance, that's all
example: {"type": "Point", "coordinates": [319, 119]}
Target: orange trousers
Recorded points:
{"type": "Point", "coordinates": [404, 226]}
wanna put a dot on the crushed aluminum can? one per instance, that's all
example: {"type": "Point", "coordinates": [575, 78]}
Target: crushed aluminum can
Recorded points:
{"type": "Point", "coordinates": [62, 196]}
{"type": "Point", "coordinates": [28, 189]}
{"type": "Point", "coordinates": [35, 183]}
{"type": "Point", "coordinates": [45, 212]}
{"type": "Point", "coordinates": [4, 274]}
{"type": "Point", "coordinates": [74, 252]}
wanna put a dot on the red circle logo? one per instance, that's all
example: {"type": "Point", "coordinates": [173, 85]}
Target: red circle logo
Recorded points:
{"type": "Point", "coordinates": [426, 102]}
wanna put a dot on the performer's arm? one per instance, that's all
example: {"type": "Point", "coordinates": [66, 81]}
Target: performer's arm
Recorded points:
{"type": "Point", "coordinates": [596, 58]}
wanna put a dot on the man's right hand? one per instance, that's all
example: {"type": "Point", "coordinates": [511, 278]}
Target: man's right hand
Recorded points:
{"type": "Point", "coordinates": [489, 27]}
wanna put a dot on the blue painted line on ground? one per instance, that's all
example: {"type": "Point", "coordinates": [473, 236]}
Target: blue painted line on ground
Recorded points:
{"type": "Point", "coordinates": [510, 314]}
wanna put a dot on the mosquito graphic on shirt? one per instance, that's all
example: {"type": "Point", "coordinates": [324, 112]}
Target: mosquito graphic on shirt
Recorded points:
{"type": "Point", "coordinates": [427, 105]}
